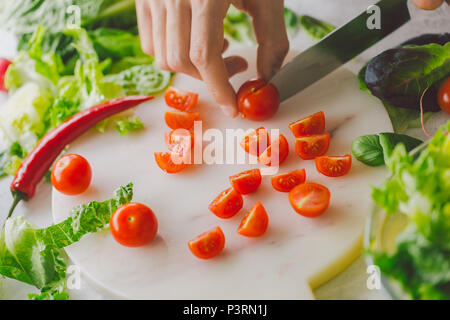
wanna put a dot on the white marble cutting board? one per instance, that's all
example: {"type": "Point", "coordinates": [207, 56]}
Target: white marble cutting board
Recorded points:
{"type": "Point", "coordinates": [294, 255]}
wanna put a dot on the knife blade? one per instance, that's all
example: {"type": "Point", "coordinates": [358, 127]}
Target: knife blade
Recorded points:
{"type": "Point", "coordinates": [339, 47]}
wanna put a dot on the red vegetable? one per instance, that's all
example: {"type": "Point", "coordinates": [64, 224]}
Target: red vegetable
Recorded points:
{"type": "Point", "coordinates": [246, 182]}
{"type": "Point", "coordinates": [4, 64]}
{"type": "Point", "coordinates": [287, 181]}
{"type": "Point", "coordinates": [71, 174]}
{"type": "Point", "coordinates": [181, 100]}
{"type": "Point", "coordinates": [310, 199]}
{"type": "Point", "coordinates": [258, 100]}
{"type": "Point", "coordinates": [209, 244]}
{"type": "Point", "coordinates": [39, 160]}
{"type": "Point", "coordinates": [444, 96]}
{"type": "Point", "coordinates": [334, 166]}
{"type": "Point", "coordinates": [314, 124]}
{"type": "Point", "coordinates": [255, 222]}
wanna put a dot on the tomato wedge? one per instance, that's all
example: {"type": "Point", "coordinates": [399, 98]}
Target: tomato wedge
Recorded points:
{"type": "Point", "coordinates": [180, 141]}
{"type": "Point", "coordinates": [334, 166]}
{"type": "Point", "coordinates": [181, 100]}
{"type": "Point", "coordinates": [227, 204]}
{"type": "Point", "coordinates": [181, 119]}
{"type": "Point", "coordinates": [255, 222]}
{"type": "Point", "coordinates": [256, 141]}
{"type": "Point", "coordinates": [287, 181]}
{"type": "Point", "coordinates": [209, 244]}
{"type": "Point", "coordinates": [165, 161]}
{"type": "Point", "coordinates": [246, 182]}
{"type": "Point", "coordinates": [310, 199]}
{"type": "Point", "coordinates": [309, 147]}
{"type": "Point", "coordinates": [314, 124]}
{"type": "Point", "coordinates": [4, 64]}
{"type": "Point", "coordinates": [276, 153]}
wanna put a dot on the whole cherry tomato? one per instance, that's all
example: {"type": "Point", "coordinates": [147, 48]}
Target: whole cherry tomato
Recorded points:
{"type": "Point", "coordinates": [71, 174]}
{"type": "Point", "coordinates": [257, 100]}
{"type": "Point", "coordinates": [444, 96]}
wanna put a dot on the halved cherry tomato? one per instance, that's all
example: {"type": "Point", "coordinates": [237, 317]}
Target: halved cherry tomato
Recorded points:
{"type": "Point", "coordinates": [227, 204]}
{"type": "Point", "coordinates": [334, 166]}
{"type": "Point", "coordinates": [444, 96]}
{"type": "Point", "coordinates": [258, 100]}
{"type": "Point", "coordinates": [166, 162]}
{"type": "Point", "coordinates": [256, 141]}
{"type": "Point", "coordinates": [276, 153]}
{"type": "Point", "coordinates": [133, 225]}
{"type": "Point", "coordinates": [209, 244]}
{"type": "Point", "coordinates": [181, 100]}
{"type": "Point", "coordinates": [181, 119]}
{"type": "Point", "coordinates": [310, 199]}
{"type": "Point", "coordinates": [255, 222]}
{"type": "Point", "coordinates": [71, 174]}
{"type": "Point", "coordinates": [4, 64]}
{"type": "Point", "coordinates": [309, 147]}
{"type": "Point", "coordinates": [314, 124]}
{"type": "Point", "coordinates": [287, 181]}
{"type": "Point", "coordinates": [180, 141]}
{"type": "Point", "coordinates": [246, 182]}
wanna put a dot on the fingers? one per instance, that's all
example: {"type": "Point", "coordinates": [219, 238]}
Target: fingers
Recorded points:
{"type": "Point", "coordinates": [428, 4]}
{"type": "Point", "coordinates": [159, 15]}
{"type": "Point", "coordinates": [144, 19]}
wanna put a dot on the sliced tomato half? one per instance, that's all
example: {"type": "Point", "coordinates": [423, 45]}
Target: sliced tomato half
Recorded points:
{"type": "Point", "coordinates": [181, 100]}
{"type": "Point", "coordinates": [165, 160]}
{"type": "Point", "coordinates": [227, 204]}
{"type": "Point", "coordinates": [209, 244]}
{"type": "Point", "coordinates": [314, 124]}
{"type": "Point", "coordinates": [246, 182]}
{"type": "Point", "coordinates": [309, 147]}
{"type": "Point", "coordinates": [310, 199]}
{"type": "Point", "coordinates": [255, 222]}
{"type": "Point", "coordinates": [180, 141]}
{"type": "Point", "coordinates": [256, 141]}
{"type": "Point", "coordinates": [287, 181]}
{"type": "Point", "coordinates": [334, 166]}
{"type": "Point", "coordinates": [276, 153]}
{"type": "Point", "coordinates": [180, 119]}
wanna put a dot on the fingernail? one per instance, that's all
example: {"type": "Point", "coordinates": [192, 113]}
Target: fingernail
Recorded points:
{"type": "Point", "coordinates": [229, 111]}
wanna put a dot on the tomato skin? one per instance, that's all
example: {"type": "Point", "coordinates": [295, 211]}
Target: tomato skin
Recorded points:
{"type": "Point", "coordinates": [288, 181]}
{"type": "Point", "coordinates": [256, 142]}
{"type": "Point", "coordinates": [310, 199]}
{"type": "Point", "coordinates": [133, 225]}
{"type": "Point", "coordinates": [71, 174]}
{"type": "Point", "coordinates": [257, 100]}
{"type": "Point", "coordinates": [165, 162]}
{"type": "Point", "coordinates": [255, 222]}
{"type": "Point", "coordinates": [268, 155]}
{"type": "Point", "coordinates": [4, 64]}
{"type": "Point", "coordinates": [246, 182]}
{"type": "Point", "coordinates": [180, 119]}
{"type": "Point", "coordinates": [309, 147]}
{"type": "Point", "coordinates": [208, 244]}
{"type": "Point", "coordinates": [313, 124]}
{"type": "Point", "coordinates": [180, 141]}
{"type": "Point", "coordinates": [334, 166]}
{"type": "Point", "coordinates": [227, 204]}
{"type": "Point", "coordinates": [181, 100]}
{"type": "Point", "coordinates": [444, 96]}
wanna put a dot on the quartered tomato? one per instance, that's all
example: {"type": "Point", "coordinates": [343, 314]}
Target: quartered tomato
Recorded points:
{"type": "Point", "coordinates": [309, 147]}
{"type": "Point", "coordinates": [71, 174]}
{"type": "Point", "coordinates": [180, 141]}
{"type": "Point", "coordinates": [181, 119]}
{"type": "Point", "coordinates": [334, 166]}
{"type": "Point", "coordinates": [310, 199]}
{"type": "Point", "coordinates": [444, 96]}
{"type": "Point", "coordinates": [276, 153]}
{"type": "Point", "coordinates": [170, 162]}
{"type": "Point", "coordinates": [227, 204]}
{"type": "Point", "coordinates": [246, 182]}
{"type": "Point", "coordinates": [258, 100]}
{"type": "Point", "coordinates": [209, 244]}
{"type": "Point", "coordinates": [314, 124]}
{"type": "Point", "coordinates": [181, 100]}
{"type": "Point", "coordinates": [287, 181]}
{"type": "Point", "coordinates": [133, 225]}
{"type": "Point", "coordinates": [4, 64]}
{"type": "Point", "coordinates": [256, 141]}
{"type": "Point", "coordinates": [255, 222]}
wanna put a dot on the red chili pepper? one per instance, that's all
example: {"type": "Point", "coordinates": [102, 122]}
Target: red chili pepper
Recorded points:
{"type": "Point", "coordinates": [39, 160]}
{"type": "Point", "coordinates": [4, 64]}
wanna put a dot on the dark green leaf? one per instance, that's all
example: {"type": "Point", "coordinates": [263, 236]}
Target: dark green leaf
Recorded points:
{"type": "Point", "coordinates": [367, 149]}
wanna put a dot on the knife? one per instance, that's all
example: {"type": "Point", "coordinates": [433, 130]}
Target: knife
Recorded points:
{"type": "Point", "coordinates": [339, 47]}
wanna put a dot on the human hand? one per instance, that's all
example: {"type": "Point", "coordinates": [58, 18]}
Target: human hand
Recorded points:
{"type": "Point", "coordinates": [429, 4]}
{"type": "Point", "coordinates": [187, 36]}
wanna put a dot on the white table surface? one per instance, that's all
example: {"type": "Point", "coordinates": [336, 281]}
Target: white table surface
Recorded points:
{"type": "Point", "coordinates": [351, 284]}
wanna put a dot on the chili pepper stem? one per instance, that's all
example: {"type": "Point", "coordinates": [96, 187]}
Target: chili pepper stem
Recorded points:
{"type": "Point", "coordinates": [16, 199]}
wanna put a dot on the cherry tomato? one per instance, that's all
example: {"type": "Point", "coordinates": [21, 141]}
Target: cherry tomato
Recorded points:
{"type": "Point", "coordinates": [314, 124]}
{"type": "Point", "coordinates": [4, 64]}
{"type": "Point", "coordinates": [167, 163]}
{"type": "Point", "coordinates": [334, 166]}
{"type": "Point", "coordinates": [71, 174]}
{"type": "Point", "coordinates": [287, 181]}
{"type": "Point", "coordinates": [309, 147]}
{"type": "Point", "coordinates": [255, 222]}
{"type": "Point", "coordinates": [227, 204]}
{"type": "Point", "coordinates": [276, 153]}
{"type": "Point", "coordinates": [209, 244]}
{"type": "Point", "coordinates": [258, 100]}
{"type": "Point", "coordinates": [256, 141]}
{"type": "Point", "coordinates": [309, 199]}
{"type": "Point", "coordinates": [180, 141]}
{"type": "Point", "coordinates": [181, 100]}
{"type": "Point", "coordinates": [133, 225]}
{"type": "Point", "coordinates": [181, 119]}
{"type": "Point", "coordinates": [444, 96]}
{"type": "Point", "coordinates": [246, 182]}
